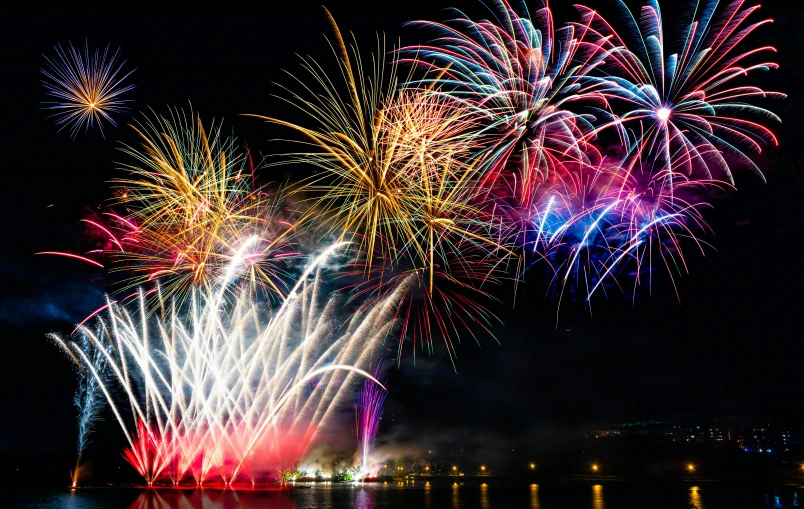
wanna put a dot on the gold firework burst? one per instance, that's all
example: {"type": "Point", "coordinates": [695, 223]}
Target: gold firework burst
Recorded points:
{"type": "Point", "coordinates": [193, 217]}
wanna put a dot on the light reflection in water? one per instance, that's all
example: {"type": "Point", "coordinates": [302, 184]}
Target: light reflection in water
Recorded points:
{"type": "Point", "coordinates": [597, 497]}
{"type": "Point", "coordinates": [534, 496]}
{"type": "Point", "coordinates": [215, 499]}
{"type": "Point", "coordinates": [423, 496]}
{"type": "Point", "coordinates": [364, 500]}
{"type": "Point", "coordinates": [456, 498]}
{"type": "Point", "coordinates": [695, 498]}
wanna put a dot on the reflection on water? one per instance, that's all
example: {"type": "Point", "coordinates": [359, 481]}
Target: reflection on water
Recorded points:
{"type": "Point", "coordinates": [534, 496]}
{"type": "Point", "coordinates": [484, 496]}
{"type": "Point", "coordinates": [456, 497]}
{"type": "Point", "coordinates": [438, 494]}
{"type": "Point", "coordinates": [597, 497]}
{"type": "Point", "coordinates": [365, 500]}
{"type": "Point", "coordinates": [695, 498]}
{"type": "Point", "coordinates": [203, 499]}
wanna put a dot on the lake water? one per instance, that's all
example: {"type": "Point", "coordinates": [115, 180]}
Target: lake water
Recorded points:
{"type": "Point", "coordinates": [418, 496]}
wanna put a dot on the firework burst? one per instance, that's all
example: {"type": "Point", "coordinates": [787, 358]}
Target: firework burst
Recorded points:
{"type": "Point", "coordinates": [521, 76]}
{"type": "Point", "coordinates": [362, 190]}
{"type": "Point", "coordinates": [192, 216]}
{"type": "Point", "coordinates": [592, 227]}
{"type": "Point", "coordinates": [687, 112]}
{"type": "Point", "coordinates": [400, 175]}
{"type": "Point", "coordinates": [87, 88]}
{"type": "Point", "coordinates": [679, 123]}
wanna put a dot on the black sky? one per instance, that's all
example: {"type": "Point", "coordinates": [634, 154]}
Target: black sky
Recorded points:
{"type": "Point", "coordinates": [732, 348]}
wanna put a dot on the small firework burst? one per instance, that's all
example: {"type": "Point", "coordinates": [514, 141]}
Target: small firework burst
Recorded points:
{"type": "Point", "coordinates": [86, 88]}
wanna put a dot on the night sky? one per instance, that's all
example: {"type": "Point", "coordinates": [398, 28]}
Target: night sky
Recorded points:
{"type": "Point", "coordinates": [731, 349]}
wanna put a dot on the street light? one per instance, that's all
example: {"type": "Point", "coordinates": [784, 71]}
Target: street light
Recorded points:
{"type": "Point", "coordinates": [594, 468]}
{"type": "Point", "coordinates": [483, 467]}
{"type": "Point", "coordinates": [533, 466]}
{"type": "Point", "coordinates": [690, 467]}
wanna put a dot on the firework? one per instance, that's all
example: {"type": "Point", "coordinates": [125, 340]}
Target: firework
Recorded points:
{"type": "Point", "coordinates": [218, 393]}
{"type": "Point", "coordinates": [84, 259]}
{"type": "Point", "coordinates": [521, 76]}
{"type": "Point", "coordinates": [509, 139]}
{"type": "Point", "coordinates": [678, 119]}
{"type": "Point", "coordinates": [349, 144]}
{"type": "Point", "coordinates": [87, 88]}
{"type": "Point", "coordinates": [390, 154]}
{"type": "Point", "coordinates": [191, 210]}
{"type": "Point", "coordinates": [400, 175]}
{"type": "Point", "coordinates": [88, 398]}
{"type": "Point", "coordinates": [593, 226]}
{"type": "Point", "coordinates": [368, 414]}
{"type": "Point", "coordinates": [686, 111]}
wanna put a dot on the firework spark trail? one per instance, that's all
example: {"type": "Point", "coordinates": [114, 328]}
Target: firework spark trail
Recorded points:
{"type": "Point", "coordinates": [368, 411]}
{"type": "Point", "coordinates": [216, 394]}
{"type": "Point", "coordinates": [71, 255]}
{"type": "Point", "coordinates": [88, 398]}
{"type": "Point", "coordinates": [87, 88]}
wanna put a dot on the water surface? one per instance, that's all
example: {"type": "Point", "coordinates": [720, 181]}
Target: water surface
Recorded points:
{"type": "Point", "coordinates": [426, 496]}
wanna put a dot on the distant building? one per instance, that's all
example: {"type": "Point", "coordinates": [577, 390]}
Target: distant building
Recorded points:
{"type": "Point", "coordinates": [766, 439]}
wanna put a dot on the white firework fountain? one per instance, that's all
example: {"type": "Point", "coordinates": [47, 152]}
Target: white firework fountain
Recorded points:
{"type": "Point", "coordinates": [229, 391]}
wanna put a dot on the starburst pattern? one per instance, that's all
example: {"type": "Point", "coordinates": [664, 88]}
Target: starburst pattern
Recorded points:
{"type": "Point", "coordinates": [86, 88]}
